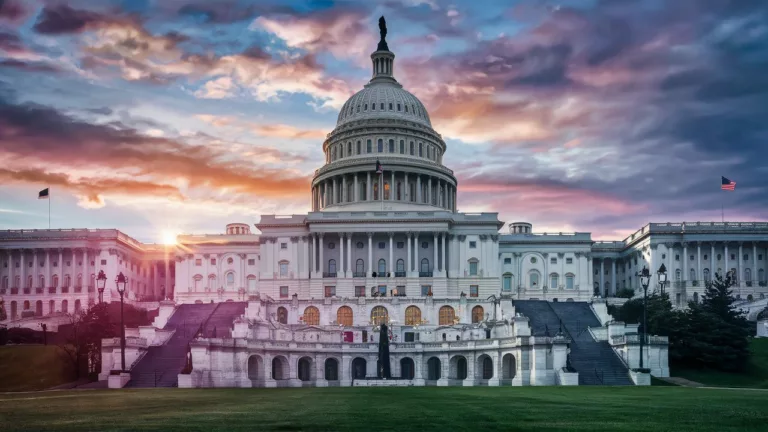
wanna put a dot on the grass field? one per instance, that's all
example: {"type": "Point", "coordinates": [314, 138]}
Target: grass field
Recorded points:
{"type": "Point", "coordinates": [32, 367]}
{"type": "Point", "coordinates": [390, 409]}
{"type": "Point", "coordinates": [756, 375]}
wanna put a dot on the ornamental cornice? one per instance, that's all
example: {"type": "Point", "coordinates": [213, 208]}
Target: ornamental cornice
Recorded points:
{"type": "Point", "coordinates": [483, 237]}
{"type": "Point", "coordinates": [494, 238]}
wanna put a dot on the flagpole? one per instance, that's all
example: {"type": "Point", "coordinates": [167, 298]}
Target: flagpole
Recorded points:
{"type": "Point", "coordinates": [49, 208]}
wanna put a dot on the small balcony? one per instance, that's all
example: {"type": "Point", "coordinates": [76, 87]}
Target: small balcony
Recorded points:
{"type": "Point", "coordinates": [329, 274]}
{"type": "Point", "coordinates": [39, 290]}
{"type": "Point", "coordinates": [51, 290]}
{"type": "Point", "coordinates": [427, 274]}
{"type": "Point", "coordinates": [359, 274]}
{"type": "Point", "coordinates": [78, 289]}
{"type": "Point", "coordinates": [65, 290]}
{"type": "Point", "coordinates": [14, 291]}
{"type": "Point", "coordinates": [91, 289]}
{"type": "Point", "coordinates": [399, 274]}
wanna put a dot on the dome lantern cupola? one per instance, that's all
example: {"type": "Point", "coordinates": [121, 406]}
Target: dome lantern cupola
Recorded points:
{"type": "Point", "coordinates": [383, 59]}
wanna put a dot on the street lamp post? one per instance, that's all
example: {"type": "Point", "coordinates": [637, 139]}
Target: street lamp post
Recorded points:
{"type": "Point", "coordinates": [101, 282]}
{"type": "Point", "coordinates": [645, 280]}
{"type": "Point", "coordinates": [121, 282]}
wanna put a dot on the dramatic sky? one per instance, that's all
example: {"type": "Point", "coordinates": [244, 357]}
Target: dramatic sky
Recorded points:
{"type": "Point", "coordinates": [184, 115]}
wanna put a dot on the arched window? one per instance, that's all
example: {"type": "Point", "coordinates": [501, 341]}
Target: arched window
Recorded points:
{"type": "Point", "coordinates": [421, 149]}
{"type": "Point", "coordinates": [386, 190]}
{"type": "Point", "coordinates": [368, 147]}
{"type": "Point", "coordinates": [477, 314]}
{"type": "Point", "coordinates": [212, 282]}
{"type": "Point", "coordinates": [230, 280]}
{"type": "Point", "coordinates": [382, 266]}
{"type": "Point", "coordinates": [332, 266]}
{"type": "Point", "coordinates": [65, 306]}
{"type": "Point", "coordinates": [446, 315]}
{"type": "Point", "coordinates": [282, 315]}
{"type": "Point", "coordinates": [350, 192]}
{"type": "Point", "coordinates": [424, 265]}
{"type": "Point", "coordinates": [533, 279]}
{"type": "Point", "coordinates": [554, 280]}
{"type": "Point", "coordinates": [67, 280]}
{"type": "Point", "coordinates": [693, 274]}
{"type": "Point", "coordinates": [706, 274]}
{"type": "Point", "coordinates": [473, 267]}
{"type": "Point", "coordinates": [359, 147]}
{"type": "Point", "coordinates": [344, 316]}
{"type": "Point", "coordinates": [747, 275]}
{"type": "Point", "coordinates": [678, 275]}
{"type": "Point", "coordinates": [402, 146]}
{"type": "Point", "coordinates": [79, 280]}
{"type": "Point", "coordinates": [29, 281]}
{"type": "Point", "coordinates": [507, 282]}
{"type": "Point", "coordinates": [349, 148]}
{"type": "Point", "coordinates": [311, 316]}
{"type": "Point", "coordinates": [42, 281]}
{"type": "Point", "coordinates": [411, 148]}
{"type": "Point", "coordinates": [400, 265]}
{"type": "Point", "coordinates": [412, 315]}
{"type": "Point", "coordinates": [230, 260]}
{"type": "Point", "coordinates": [569, 278]}
{"type": "Point", "coordinates": [359, 266]}
{"type": "Point", "coordinates": [376, 191]}
{"type": "Point", "coordinates": [198, 282]}
{"type": "Point", "coordinates": [391, 146]}
{"type": "Point", "coordinates": [363, 191]}
{"type": "Point", "coordinates": [695, 297]}
{"type": "Point", "coordinates": [5, 282]}
{"type": "Point", "coordinates": [761, 275]}
{"type": "Point", "coordinates": [379, 315]}
{"type": "Point", "coordinates": [380, 145]}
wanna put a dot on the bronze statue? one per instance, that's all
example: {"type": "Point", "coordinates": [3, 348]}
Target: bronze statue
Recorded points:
{"type": "Point", "coordinates": [383, 31]}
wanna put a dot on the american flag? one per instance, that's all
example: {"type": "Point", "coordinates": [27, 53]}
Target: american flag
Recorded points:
{"type": "Point", "coordinates": [728, 185]}
{"type": "Point", "coordinates": [379, 168]}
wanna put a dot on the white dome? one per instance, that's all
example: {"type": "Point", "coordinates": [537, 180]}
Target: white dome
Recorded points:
{"type": "Point", "coordinates": [383, 100]}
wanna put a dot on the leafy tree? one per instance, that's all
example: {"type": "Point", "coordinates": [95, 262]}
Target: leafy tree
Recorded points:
{"type": "Point", "coordinates": [82, 344]}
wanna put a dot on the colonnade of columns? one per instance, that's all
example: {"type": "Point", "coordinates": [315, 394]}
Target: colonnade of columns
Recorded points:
{"type": "Point", "coordinates": [414, 261]}
{"type": "Point", "coordinates": [45, 270]}
{"type": "Point", "coordinates": [390, 186]}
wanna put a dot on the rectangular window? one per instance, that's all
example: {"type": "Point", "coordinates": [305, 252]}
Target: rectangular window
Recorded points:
{"type": "Point", "coordinates": [330, 291]}
{"type": "Point", "coordinates": [409, 337]}
{"type": "Point", "coordinates": [760, 257]}
{"type": "Point", "coordinates": [283, 269]}
{"type": "Point", "coordinates": [55, 264]}
{"type": "Point", "coordinates": [213, 261]}
{"type": "Point", "coordinates": [198, 262]}
{"type": "Point", "coordinates": [382, 245]}
{"type": "Point", "coordinates": [473, 268]}
{"type": "Point", "coordinates": [283, 245]}
{"type": "Point", "coordinates": [382, 290]}
{"type": "Point", "coordinates": [411, 148]}
{"type": "Point", "coordinates": [400, 291]}
{"type": "Point", "coordinates": [507, 283]}
{"type": "Point", "coordinates": [400, 245]}
{"type": "Point", "coordinates": [103, 262]}
{"type": "Point", "coordinates": [473, 291]}
{"type": "Point", "coordinates": [569, 260]}
{"type": "Point", "coordinates": [69, 263]}
{"type": "Point", "coordinates": [733, 257]}
{"type": "Point", "coordinates": [677, 257]}
{"type": "Point", "coordinates": [746, 257]}
{"type": "Point", "coordinates": [472, 245]}
{"type": "Point", "coordinates": [283, 292]}
{"type": "Point", "coordinates": [507, 260]}
{"type": "Point", "coordinates": [426, 290]}
{"type": "Point", "coordinates": [421, 150]}
{"type": "Point", "coordinates": [569, 282]}
{"type": "Point", "coordinates": [251, 261]}
{"type": "Point", "coordinates": [553, 260]}
{"type": "Point", "coordinates": [359, 291]}
{"type": "Point", "coordinates": [368, 146]}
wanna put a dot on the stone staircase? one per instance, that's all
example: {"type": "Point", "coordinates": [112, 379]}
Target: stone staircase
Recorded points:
{"type": "Point", "coordinates": [219, 324]}
{"type": "Point", "coordinates": [161, 365]}
{"type": "Point", "coordinates": [595, 361]}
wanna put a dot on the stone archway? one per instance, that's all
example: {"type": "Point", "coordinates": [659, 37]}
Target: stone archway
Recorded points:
{"type": "Point", "coordinates": [508, 369]}
{"type": "Point", "coordinates": [434, 367]}
{"type": "Point", "coordinates": [331, 369]}
{"type": "Point", "coordinates": [256, 369]}
{"type": "Point", "coordinates": [280, 368]}
{"type": "Point", "coordinates": [458, 368]}
{"type": "Point", "coordinates": [359, 366]}
{"type": "Point", "coordinates": [305, 370]}
{"type": "Point", "coordinates": [484, 367]}
{"type": "Point", "coordinates": [407, 370]}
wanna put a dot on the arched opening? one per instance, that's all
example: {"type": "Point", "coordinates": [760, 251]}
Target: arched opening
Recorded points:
{"type": "Point", "coordinates": [255, 368]}
{"type": "Point", "coordinates": [406, 368]}
{"type": "Point", "coordinates": [344, 316]}
{"type": "Point", "coordinates": [331, 369]}
{"type": "Point", "coordinates": [358, 368]}
{"type": "Point", "coordinates": [433, 369]}
{"type": "Point", "coordinates": [412, 315]}
{"type": "Point", "coordinates": [507, 282]}
{"type": "Point", "coordinates": [14, 311]}
{"type": "Point", "coordinates": [424, 265]}
{"type": "Point", "coordinates": [39, 308]}
{"type": "Point", "coordinates": [363, 190]}
{"type": "Point", "coordinates": [280, 368]}
{"type": "Point", "coordinates": [446, 315]}
{"type": "Point", "coordinates": [533, 279]}
{"type": "Point", "coordinates": [477, 314]}
{"type": "Point", "coordinates": [332, 267]}
{"type": "Point", "coordinates": [706, 275]}
{"type": "Point", "coordinates": [376, 191]}
{"type": "Point", "coordinates": [386, 190]}
{"type": "Point", "coordinates": [360, 267]}
{"type": "Point", "coordinates": [77, 306]}
{"type": "Point", "coordinates": [282, 315]}
{"type": "Point", "coordinates": [64, 306]}
{"type": "Point", "coordinates": [400, 266]}
{"type": "Point", "coordinates": [311, 316]}
{"type": "Point", "coordinates": [458, 368]}
{"type": "Point", "coordinates": [379, 315]}
{"type": "Point", "coordinates": [484, 367]}
{"type": "Point", "coordinates": [304, 370]}
{"type": "Point", "coordinates": [399, 196]}
{"type": "Point", "coordinates": [508, 367]}
{"type": "Point", "coordinates": [695, 297]}
{"type": "Point", "coordinates": [230, 281]}
{"type": "Point", "coordinates": [51, 306]}
{"type": "Point", "coordinates": [382, 266]}
{"type": "Point", "coordinates": [747, 275]}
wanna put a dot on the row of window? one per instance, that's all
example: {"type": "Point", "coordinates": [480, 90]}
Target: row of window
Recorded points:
{"type": "Point", "coordinates": [534, 260]}
{"type": "Point", "coordinates": [435, 196]}
{"type": "Point", "coordinates": [534, 280]}
{"type": "Point", "coordinates": [251, 261]}
{"type": "Point", "coordinates": [719, 257]}
{"type": "Point", "coordinates": [380, 315]}
{"type": "Point", "coordinates": [26, 306]}
{"type": "Point", "coordinates": [389, 106]}
{"type": "Point", "coordinates": [337, 151]}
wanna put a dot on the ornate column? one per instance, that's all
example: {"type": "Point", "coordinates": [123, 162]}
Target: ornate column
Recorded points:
{"type": "Point", "coordinates": [685, 267]}
{"type": "Point", "coordinates": [429, 190]}
{"type": "Point", "coordinates": [670, 272]}
{"type": "Point", "coordinates": [613, 276]}
{"type": "Point", "coordinates": [391, 252]}
{"type": "Point", "coordinates": [726, 269]}
{"type": "Point", "coordinates": [86, 271]}
{"type": "Point", "coordinates": [349, 255]}
{"type": "Point", "coordinates": [712, 265]}
{"type": "Point", "coordinates": [392, 188]}
{"type": "Point", "coordinates": [313, 256]}
{"type": "Point", "coordinates": [356, 198]}
{"type": "Point", "coordinates": [409, 265]}
{"type": "Point", "coordinates": [406, 190]}
{"type": "Point", "coordinates": [47, 270]}
{"type": "Point", "coordinates": [9, 252]}
{"type": "Point", "coordinates": [34, 268]}
{"type": "Point", "coordinates": [740, 263]}
{"type": "Point", "coordinates": [369, 268]}
{"type": "Point", "coordinates": [698, 261]}
{"type": "Point", "coordinates": [23, 272]}
{"type": "Point", "coordinates": [321, 246]}
{"type": "Point", "coordinates": [443, 267]}
{"type": "Point", "coordinates": [419, 198]}
{"type": "Point", "coordinates": [434, 249]}
{"type": "Point", "coordinates": [369, 188]}
{"type": "Point", "coordinates": [602, 278]}
{"type": "Point", "coordinates": [755, 272]}
{"type": "Point", "coordinates": [344, 197]}
{"type": "Point", "coordinates": [341, 256]}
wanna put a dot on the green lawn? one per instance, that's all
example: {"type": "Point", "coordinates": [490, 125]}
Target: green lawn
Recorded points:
{"type": "Point", "coordinates": [756, 375]}
{"type": "Point", "coordinates": [32, 367]}
{"type": "Point", "coordinates": [390, 409]}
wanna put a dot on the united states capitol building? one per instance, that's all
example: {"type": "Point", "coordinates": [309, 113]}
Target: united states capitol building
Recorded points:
{"type": "Point", "coordinates": [469, 299]}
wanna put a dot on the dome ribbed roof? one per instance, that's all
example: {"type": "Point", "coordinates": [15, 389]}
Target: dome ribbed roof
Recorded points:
{"type": "Point", "coordinates": [383, 100]}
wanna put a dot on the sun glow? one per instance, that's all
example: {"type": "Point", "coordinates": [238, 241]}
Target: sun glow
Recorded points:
{"type": "Point", "coordinates": [169, 237]}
